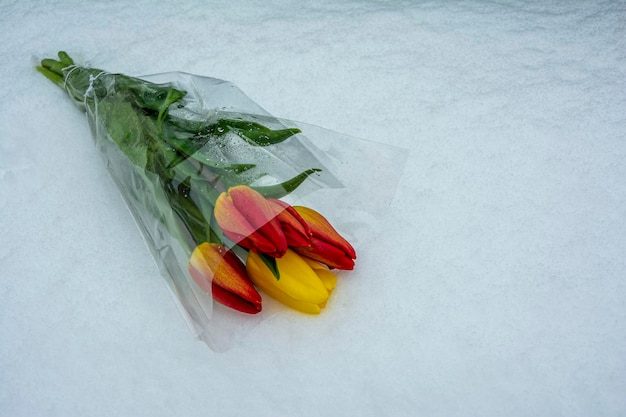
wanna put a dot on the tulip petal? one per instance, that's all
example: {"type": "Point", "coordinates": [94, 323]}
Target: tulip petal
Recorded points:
{"type": "Point", "coordinates": [294, 227]}
{"type": "Point", "coordinates": [297, 280]}
{"type": "Point", "coordinates": [246, 217]}
{"type": "Point", "coordinates": [302, 306]}
{"type": "Point", "coordinates": [213, 267]}
{"type": "Point", "coordinates": [254, 207]}
{"type": "Point", "coordinates": [230, 220]}
{"type": "Point", "coordinates": [326, 253]}
{"type": "Point", "coordinates": [233, 301]}
{"type": "Point", "coordinates": [323, 230]}
{"type": "Point", "coordinates": [325, 275]}
{"type": "Point", "coordinates": [327, 246]}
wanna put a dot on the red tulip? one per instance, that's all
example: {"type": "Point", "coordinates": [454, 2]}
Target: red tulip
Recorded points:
{"type": "Point", "coordinates": [215, 268]}
{"type": "Point", "coordinates": [327, 246]}
{"type": "Point", "coordinates": [249, 219]}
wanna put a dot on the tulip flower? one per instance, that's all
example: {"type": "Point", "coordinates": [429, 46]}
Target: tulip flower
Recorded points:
{"type": "Point", "coordinates": [302, 284]}
{"type": "Point", "coordinates": [215, 268]}
{"type": "Point", "coordinates": [326, 245]}
{"type": "Point", "coordinates": [249, 219]}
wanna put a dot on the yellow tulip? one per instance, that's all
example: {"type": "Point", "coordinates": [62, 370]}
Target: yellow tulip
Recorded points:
{"type": "Point", "coordinates": [303, 285]}
{"type": "Point", "coordinates": [328, 278]}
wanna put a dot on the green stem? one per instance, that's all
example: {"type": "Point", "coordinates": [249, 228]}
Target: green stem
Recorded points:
{"type": "Point", "coordinates": [52, 76]}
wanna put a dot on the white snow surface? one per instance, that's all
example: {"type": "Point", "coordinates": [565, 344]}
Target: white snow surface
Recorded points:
{"type": "Point", "coordinates": [496, 285]}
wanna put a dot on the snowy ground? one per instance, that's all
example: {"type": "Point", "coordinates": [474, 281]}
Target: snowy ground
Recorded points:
{"type": "Point", "coordinates": [497, 287]}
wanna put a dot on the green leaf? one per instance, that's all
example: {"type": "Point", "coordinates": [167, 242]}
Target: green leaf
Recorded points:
{"type": "Point", "coordinates": [194, 127]}
{"type": "Point", "coordinates": [125, 128]}
{"type": "Point", "coordinates": [186, 147]}
{"type": "Point", "coordinates": [256, 133]}
{"type": "Point", "coordinates": [147, 95]}
{"type": "Point", "coordinates": [284, 188]}
{"type": "Point", "coordinates": [271, 264]}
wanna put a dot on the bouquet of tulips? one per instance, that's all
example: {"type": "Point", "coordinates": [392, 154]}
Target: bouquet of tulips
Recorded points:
{"type": "Point", "coordinates": [208, 176]}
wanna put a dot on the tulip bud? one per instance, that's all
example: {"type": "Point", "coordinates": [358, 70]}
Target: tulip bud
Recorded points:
{"type": "Point", "coordinates": [327, 246]}
{"type": "Point", "coordinates": [215, 268]}
{"type": "Point", "coordinates": [248, 219]}
{"type": "Point", "coordinates": [299, 286]}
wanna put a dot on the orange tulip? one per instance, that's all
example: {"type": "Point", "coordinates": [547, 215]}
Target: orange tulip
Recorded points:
{"type": "Point", "coordinates": [215, 268]}
{"type": "Point", "coordinates": [327, 246]}
{"type": "Point", "coordinates": [249, 219]}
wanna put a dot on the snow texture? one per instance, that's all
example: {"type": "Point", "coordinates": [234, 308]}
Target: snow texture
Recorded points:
{"type": "Point", "coordinates": [497, 286]}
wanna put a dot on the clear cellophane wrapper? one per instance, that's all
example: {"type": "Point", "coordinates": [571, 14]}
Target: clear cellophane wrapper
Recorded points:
{"type": "Point", "coordinates": [355, 184]}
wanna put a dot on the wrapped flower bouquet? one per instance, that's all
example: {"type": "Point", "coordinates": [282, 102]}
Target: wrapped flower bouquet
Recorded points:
{"type": "Point", "coordinates": [215, 184]}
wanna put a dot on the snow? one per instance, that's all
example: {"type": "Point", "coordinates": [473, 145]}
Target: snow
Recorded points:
{"type": "Point", "coordinates": [493, 286]}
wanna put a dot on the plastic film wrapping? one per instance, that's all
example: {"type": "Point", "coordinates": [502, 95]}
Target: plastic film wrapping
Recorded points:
{"type": "Point", "coordinates": [175, 144]}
